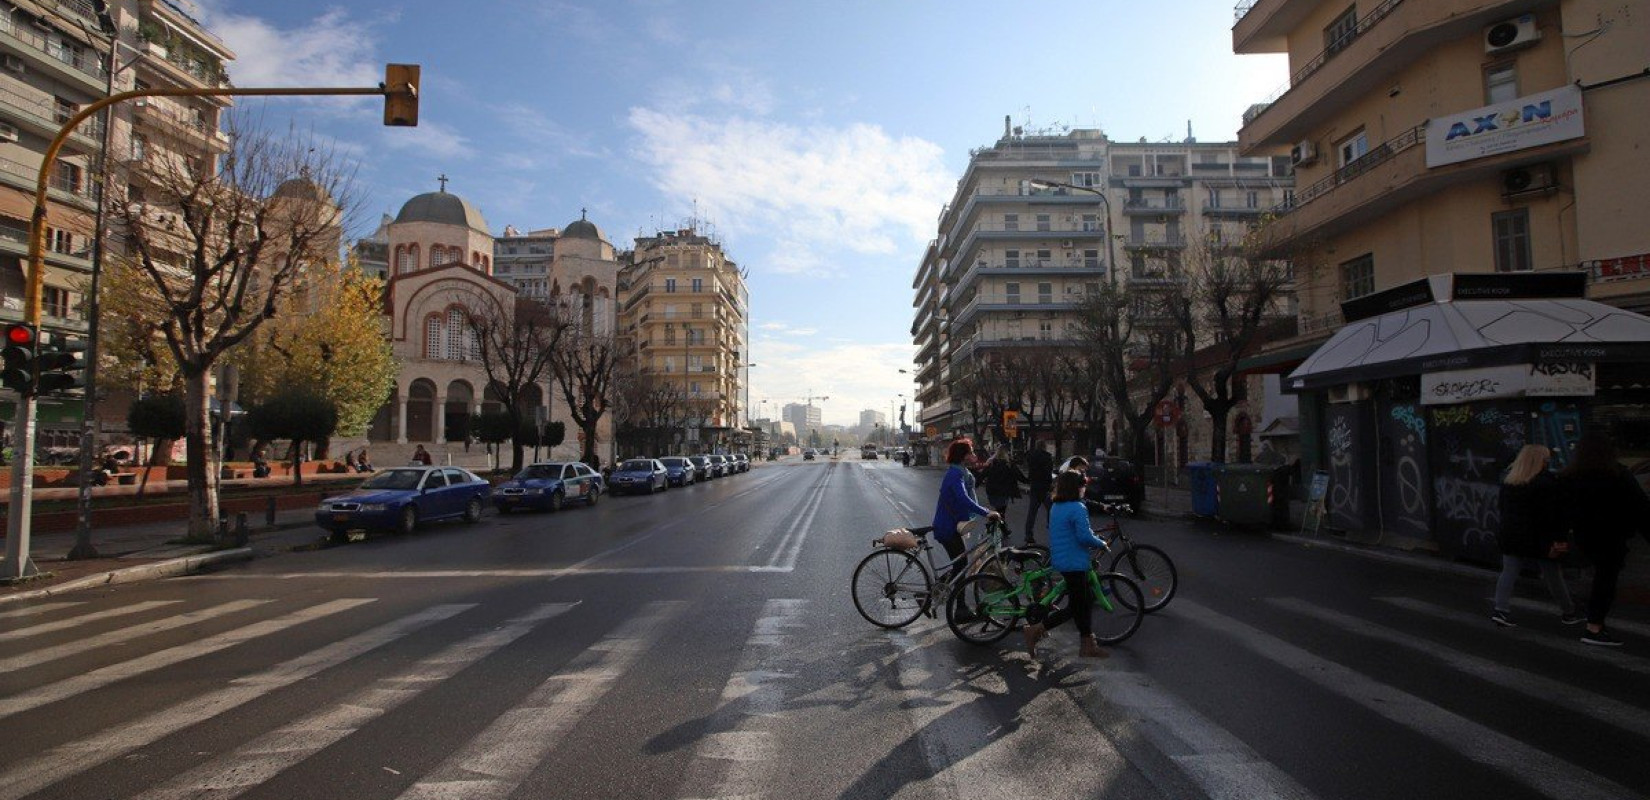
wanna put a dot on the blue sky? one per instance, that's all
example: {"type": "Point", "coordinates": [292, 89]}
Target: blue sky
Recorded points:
{"type": "Point", "coordinates": [820, 140]}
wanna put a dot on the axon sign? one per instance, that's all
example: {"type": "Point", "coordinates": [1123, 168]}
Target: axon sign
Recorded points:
{"type": "Point", "coordinates": [1526, 122]}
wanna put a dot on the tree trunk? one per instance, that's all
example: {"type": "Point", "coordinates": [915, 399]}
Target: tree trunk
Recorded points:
{"type": "Point", "coordinates": [203, 491]}
{"type": "Point", "coordinates": [1217, 432]}
{"type": "Point", "coordinates": [297, 463]}
{"type": "Point", "coordinates": [517, 453]}
{"type": "Point", "coordinates": [147, 463]}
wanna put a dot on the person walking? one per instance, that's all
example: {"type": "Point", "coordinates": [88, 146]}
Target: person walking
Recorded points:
{"type": "Point", "coordinates": [956, 503]}
{"type": "Point", "coordinates": [1002, 482]}
{"type": "Point", "coordinates": [1532, 533]}
{"type": "Point", "coordinates": [1606, 507]}
{"type": "Point", "coordinates": [1069, 540]}
{"type": "Point", "coordinates": [422, 456]}
{"type": "Point", "coordinates": [1040, 479]}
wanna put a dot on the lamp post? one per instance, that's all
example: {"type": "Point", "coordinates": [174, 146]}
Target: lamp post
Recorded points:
{"type": "Point", "coordinates": [1105, 203]}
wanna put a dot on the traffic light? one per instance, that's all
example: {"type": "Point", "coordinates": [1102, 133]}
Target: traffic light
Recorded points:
{"type": "Point", "coordinates": [21, 342]}
{"type": "Point", "coordinates": [401, 95]}
{"type": "Point", "coordinates": [60, 367]}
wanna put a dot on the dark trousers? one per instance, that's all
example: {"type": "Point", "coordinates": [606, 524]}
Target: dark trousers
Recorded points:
{"type": "Point", "coordinates": [1036, 499]}
{"type": "Point", "coordinates": [1081, 606]}
{"type": "Point", "coordinates": [1606, 568]}
{"type": "Point", "coordinates": [954, 550]}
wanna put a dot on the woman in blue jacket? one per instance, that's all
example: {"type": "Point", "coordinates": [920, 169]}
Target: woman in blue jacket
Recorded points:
{"type": "Point", "coordinates": [1069, 541]}
{"type": "Point", "coordinates": [957, 504]}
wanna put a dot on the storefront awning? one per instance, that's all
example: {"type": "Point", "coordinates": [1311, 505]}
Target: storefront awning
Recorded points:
{"type": "Point", "coordinates": [1465, 334]}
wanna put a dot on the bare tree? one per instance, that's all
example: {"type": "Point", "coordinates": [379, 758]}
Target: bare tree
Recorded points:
{"type": "Point", "coordinates": [1126, 336]}
{"type": "Point", "coordinates": [516, 347]}
{"type": "Point", "coordinates": [1049, 390]}
{"type": "Point", "coordinates": [648, 409]}
{"type": "Point", "coordinates": [221, 242]}
{"type": "Point", "coordinates": [586, 365]}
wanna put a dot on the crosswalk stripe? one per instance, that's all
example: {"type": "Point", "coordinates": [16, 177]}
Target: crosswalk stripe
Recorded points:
{"type": "Point", "coordinates": [267, 756]}
{"type": "Point", "coordinates": [104, 676]}
{"type": "Point", "coordinates": [497, 760]}
{"type": "Point", "coordinates": [736, 760]}
{"type": "Point", "coordinates": [81, 755]}
{"type": "Point", "coordinates": [39, 609]}
{"type": "Point", "coordinates": [1535, 768]}
{"type": "Point", "coordinates": [1559, 693]}
{"type": "Point", "coordinates": [1638, 628]}
{"type": "Point", "coordinates": [90, 643]}
{"type": "Point", "coordinates": [1570, 644]}
{"type": "Point", "coordinates": [65, 624]}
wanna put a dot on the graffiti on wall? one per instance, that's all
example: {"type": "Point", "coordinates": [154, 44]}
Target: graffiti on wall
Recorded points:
{"type": "Point", "coordinates": [1345, 501]}
{"type": "Point", "coordinates": [1472, 445]}
{"type": "Point", "coordinates": [1473, 508]}
{"type": "Point", "coordinates": [1558, 427]}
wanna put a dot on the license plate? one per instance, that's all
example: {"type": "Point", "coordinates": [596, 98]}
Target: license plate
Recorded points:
{"type": "Point", "coordinates": [340, 518]}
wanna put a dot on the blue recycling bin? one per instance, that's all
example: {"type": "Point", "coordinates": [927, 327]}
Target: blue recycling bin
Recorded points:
{"type": "Point", "coordinates": [1204, 478]}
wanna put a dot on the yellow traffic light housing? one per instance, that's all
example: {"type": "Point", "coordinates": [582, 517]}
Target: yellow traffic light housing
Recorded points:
{"type": "Point", "coordinates": [401, 95]}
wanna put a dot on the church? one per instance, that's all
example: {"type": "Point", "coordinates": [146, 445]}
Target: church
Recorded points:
{"type": "Point", "coordinates": [441, 264]}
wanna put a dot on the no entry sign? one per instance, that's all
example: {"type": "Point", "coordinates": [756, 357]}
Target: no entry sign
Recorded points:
{"type": "Point", "coordinates": [1166, 414]}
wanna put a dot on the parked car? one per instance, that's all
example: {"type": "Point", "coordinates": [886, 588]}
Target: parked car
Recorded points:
{"type": "Point", "coordinates": [639, 475]}
{"type": "Point", "coordinates": [680, 470]}
{"type": "Point", "coordinates": [548, 485]}
{"type": "Point", "coordinates": [719, 463]}
{"type": "Point", "coordinates": [1115, 480]}
{"type": "Point", "coordinates": [400, 499]}
{"type": "Point", "coordinates": [702, 468]}
{"type": "Point", "coordinates": [808, 454]}
{"type": "Point", "coordinates": [744, 461]}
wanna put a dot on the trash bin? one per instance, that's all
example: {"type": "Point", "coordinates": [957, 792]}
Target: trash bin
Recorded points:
{"type": "Point", "coordinates": [1202, 477]}
{"type": "Point", "coordinates": [1245, 492]}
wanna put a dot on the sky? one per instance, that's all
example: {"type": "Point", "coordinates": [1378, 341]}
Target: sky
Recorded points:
{"type": "Point", "coordinates": [819, 141]}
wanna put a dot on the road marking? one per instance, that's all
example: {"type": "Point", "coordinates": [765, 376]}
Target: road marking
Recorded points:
{"type": "Point", "coordinates": [737, 760]}
{"type": "Point", "coordinates": [64, 624]}
{"type": "Point", "coordinates": [97, 678]}
{"type": "Point", "coordinates": [1551, 776]}
{"type": "Point", "coordinates": [39, 609]}
{"type": "Point", "coordinates": [261, 759]}
{"type": "Point", "coordinates": [90, 643]}
{"type": "Point", "coordinates": [78, 756]}
{"type": "Point", "coordinates": [1569, 645]}
{"type": "Point", "coordinates": [1559, 693]}
{"type": "Point", "coordinates": [1619, 625]}
{"type": "Point", "coordinates": [790, 545]}
{"type": "Point", "coordinates": [497, 760]}
{"type": "Point", "coordinates": [550, 573]}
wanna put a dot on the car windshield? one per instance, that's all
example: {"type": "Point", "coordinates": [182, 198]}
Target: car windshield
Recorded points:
{"type": "Point", "coordinates": [700, 460]}
{"type": "Point", "coordinates": [673, 462]}
{"type": "Point", "coordinates": [636, 466]}
{"type": "Point", "coordinates": [539, 472]}
{"type": "Point", "coordinates": [394, 479]}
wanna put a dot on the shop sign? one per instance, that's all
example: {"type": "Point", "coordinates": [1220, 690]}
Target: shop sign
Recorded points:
{"type": "Point", "coordinates": [1518, 124]}
{"type": "Point", "coordinates": [1513, 380]}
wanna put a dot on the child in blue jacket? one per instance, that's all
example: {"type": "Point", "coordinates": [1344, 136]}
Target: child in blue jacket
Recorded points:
{"type": "Point", "coordinates": [1070, 539]}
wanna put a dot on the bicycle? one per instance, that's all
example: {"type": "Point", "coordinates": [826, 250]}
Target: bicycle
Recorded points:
{"type": "Point", "coordinates": [892, 586]}
{"type": "Point", "coordinates": [1148, 565]}
{"type": "Point", "coordinates": [984, 608]}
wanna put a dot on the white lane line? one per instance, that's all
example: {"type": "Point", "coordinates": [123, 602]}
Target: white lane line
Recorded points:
{"type": "Point", "coordinates": [1559, 693]}
{"type": "Point", "coordinates": [39, 609]}
{"type": "Point", "coordinates": [551, 573]}
{"type": "Point", "coordinates": [90, 643]}
{"type": "Point", "coordinates": [739, 758]}
{"type": "Point", "coordinates": [1569, 645]}
{"type": "Point", "coordinates": [785, 554]}
{"type": "Point", "coordinates": [104, 676]}
{"type": "Point", "coordinates": [65, 624]}
{"type": "Point", "coordinates": [1638, 628]}
{"type": "Point", "coordinates": [78, 756]}
{"type": "Point", "coordinates": [497, 760]}
{"type": "Point", "coordinates": [1547, 774]}
{"type": "Point", "coordinates": [261, 759]}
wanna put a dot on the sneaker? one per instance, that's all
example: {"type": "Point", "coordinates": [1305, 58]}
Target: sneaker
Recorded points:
{"type": "Point", "coordinates": [1503, 619]}
{"type": "Point", "coordinates": [1601, 637]}
{"type": "Point", "coordinates": [1572, 618]}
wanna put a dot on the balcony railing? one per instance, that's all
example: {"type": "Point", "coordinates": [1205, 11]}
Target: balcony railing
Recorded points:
{"type": "Point", "coordinates": [1365, 163]}
{"type": "Point", "coordinates": [87, 61]}
{"type": "Point", "coordinates": [1154, 241]}
{"type": "Point", "coordinates": [1369, 20]}
{"type": "Point", "coordinates": [1242, 9]}
{"type": "Point", "coordinates": [86, 190]}
{"type": "Point", "coordinates": [1171, 204]}
{"type": "Point", "coordinates": [47, 113]}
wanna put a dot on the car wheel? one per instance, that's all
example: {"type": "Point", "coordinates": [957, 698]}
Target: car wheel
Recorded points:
{"type": "Point", "coordinates": [555, 501]}
{"type": "Point", "coordinates": [409, 521]}
{"type": "Point", "coordinates": [472, 512]}
{"type": "Point", "coordinates": [591, 499]}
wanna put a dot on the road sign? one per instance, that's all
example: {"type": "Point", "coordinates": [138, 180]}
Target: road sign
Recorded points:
{"type": "Point", "coordinates": [1011, 424]}
{"type": "Point", "coordinates": [1166, 414]}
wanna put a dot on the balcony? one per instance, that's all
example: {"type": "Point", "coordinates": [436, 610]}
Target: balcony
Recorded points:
{"type": "Point", "coordinates": [14, 240]}
{"type": "Point", "coordinates": [1173, 205]}
{"type": "Point", "coordinates": [21, 176]}
{"type": "Point", "coordinates": [159, 113]}
{"type": "Point", "coordinates": [1055, 235]}
{"type": "Point", "coordinates": [997, 197]}
{"type": "Point", "coordinates": [1233, 212]}
{"type": "Point", "coordinates": [1028, 267]}
{"type": "Point", "coordinates": [1174, 241]}
{"type": "Point", "coordinates": [41, 115]}
{"type": "Point", "coordinates": [73, 64]}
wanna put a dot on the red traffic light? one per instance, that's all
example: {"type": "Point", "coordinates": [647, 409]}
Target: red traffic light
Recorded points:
{"type": "Point", "coordinates": [20, 334]}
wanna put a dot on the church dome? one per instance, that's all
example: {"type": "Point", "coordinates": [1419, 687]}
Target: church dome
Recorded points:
{"type": "Point", "coordinates": [441, 207]}
{"type": "Point", "coordinates": [301, 189]}
{"type": "Point", "coordinates": [581, 228]}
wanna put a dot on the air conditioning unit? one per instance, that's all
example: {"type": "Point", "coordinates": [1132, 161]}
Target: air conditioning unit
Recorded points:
{"type": "Point", "coordinates": [1067, 243]}
{"type": "Point", "coordinates": [1303, 153]}
{"type": "Point", "coordinates": [1511, 34]}
{"type": "Point", "coordinates": [1526, 180]}
{"type": "Point", "coordinates": [13, 63]}
{"type": "Point", "coordinates": [141, 102]}
{"type": "Point", "coordinates": [8, 133]}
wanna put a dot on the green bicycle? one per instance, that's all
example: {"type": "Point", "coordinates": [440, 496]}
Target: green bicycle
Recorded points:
{"type": "Point", "coordinates": [984, 608]}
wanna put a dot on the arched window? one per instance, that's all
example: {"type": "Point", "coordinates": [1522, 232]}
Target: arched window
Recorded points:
{"type": "Point", "coordinates": [405, 259]}
{"type": "Point", "coordinates": [412, 250]}
{"type": "Point", "coordinates": [455, 334]}
{"type": "Point", "coordinates": [432, 336]}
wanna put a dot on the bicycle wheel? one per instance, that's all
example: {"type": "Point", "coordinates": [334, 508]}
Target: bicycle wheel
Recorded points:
{"type": "Point", "coordinates": [983, 608]}
{"type": "Point", "coordinates": [1152, 569]}
{"type": "Point", "coordinates": [891, 588]}
{"type": "Point", "coordinates": [1010, 565]}
{"type": "Point", "coordinates": [1117, 615]}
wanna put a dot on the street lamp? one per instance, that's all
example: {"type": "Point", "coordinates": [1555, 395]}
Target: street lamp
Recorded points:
{"type": "Point", "coordinates": [1105, 203]}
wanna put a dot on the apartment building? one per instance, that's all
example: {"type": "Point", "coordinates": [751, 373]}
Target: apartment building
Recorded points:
{"type": "Point", "coordinates": [684, 303]}
{"type": "Point", "coordinates": [805, 417]}
{"type": "Point", "coordinates": [1454, 155]}
{"type": "Point", "coordinates": [1041, 219]}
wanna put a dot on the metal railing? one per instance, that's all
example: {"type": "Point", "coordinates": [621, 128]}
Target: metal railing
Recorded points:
{"type": "Point", "coordinates": [48, 113]}
{"type": "Point", "coordinates": [1174, 204]}
{"type": "Point", "coordinates": [70, 54]}
{"type": "Point", "coordinates": [1155, 241]}
{"type": "Point", "coordinates": [86, 190]}
{"type": "Point", "coordinates": [1316, 63]}
{"type": "Point", "coordinates": [1364, 163]}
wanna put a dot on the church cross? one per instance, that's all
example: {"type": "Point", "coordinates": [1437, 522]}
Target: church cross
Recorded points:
{"type": "Point", "coordinates": [443, 178]}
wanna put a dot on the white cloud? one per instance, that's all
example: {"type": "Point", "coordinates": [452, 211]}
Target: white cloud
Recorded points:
{"type": "Point", "coordinates": [854, 376]}
{"type": "Point", "coordinates": [330, 50]}
{"type": "Point", "coordinates": [813, 189]}
{"type": "Point", "coordinates": [429, 138]}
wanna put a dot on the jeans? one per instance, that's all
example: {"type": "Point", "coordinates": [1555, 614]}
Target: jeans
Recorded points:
{"type": "Point", "coordinates": [1550, 572]}
{"type": "Point", "coordinates": [1036, 501]}
{"type": "Point", "coordinates": [1606, 569]}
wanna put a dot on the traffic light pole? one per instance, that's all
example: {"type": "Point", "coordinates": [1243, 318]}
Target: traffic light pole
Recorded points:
{"type": "Point", "coordinates": [400, 91]}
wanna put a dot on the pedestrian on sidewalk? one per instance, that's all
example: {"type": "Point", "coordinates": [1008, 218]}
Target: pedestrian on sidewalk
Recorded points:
{"type": "Point", "coordinates": [422, 456]}
{"type": "Point", "coordinates": [1040, 478]}
{"type": "Point", "coordinates": [1002, 482]}
{"type": "Point", "coordinates": [1606, 507]}
{"type": "Point", "coordinates": [1069, 541]}
{"type": "Point", "coordinates": [1532, 533]}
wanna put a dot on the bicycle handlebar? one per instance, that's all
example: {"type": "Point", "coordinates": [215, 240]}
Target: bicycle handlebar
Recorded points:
{"type": "Point", "coordinates": [1114, 509]}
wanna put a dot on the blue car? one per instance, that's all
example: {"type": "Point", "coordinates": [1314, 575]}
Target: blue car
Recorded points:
{"type": "Point", "coordinates": [639, 475]}
{"type": "Point", "coordinates": [399, 499]}
{"type": "Point", "coordinates": [548, 486]}
{"type": "Point", "coordinates": [680, 470]}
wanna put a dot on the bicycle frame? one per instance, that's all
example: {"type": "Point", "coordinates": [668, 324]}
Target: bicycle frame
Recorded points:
{"type": "Point", "coordinates": [1027, 588]}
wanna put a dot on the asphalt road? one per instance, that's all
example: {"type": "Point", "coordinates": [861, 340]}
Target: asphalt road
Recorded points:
{"type": "Point", "coordinates": [701, 643]}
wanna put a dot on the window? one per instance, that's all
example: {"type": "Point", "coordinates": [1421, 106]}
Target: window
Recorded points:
{"type": "Point", "coordinates": [435, 479]}
{"type": "Point", "coordinates": [698, 311]}
{"type": "Point", "coordinates": [1087, 179]}
{"type": "Point", "coordinates": [1341, 32]}
{"type": "Point", "coordinates": [140, 147]}
{"type": "Point", "coordinates": [1252, 200]}
{"type": "Point", "coordinates": [1044, 257]}
{"type": "Point", "coordinates": [1288, 198]}
{"type": "Point", "coordinates": [59, 240]}
{"type": "Point", "coordinates": [1091, 259]}
{"type": "Point", "coordinates": [1012, 290]}
{"type": "Point", "coordinates": [432, 337]}
{"type": "Point", "coordinates": [1011, 259]}
{"type": "Point", "coordinates": [1011, 222]}
{"type": "Point", "coordinates": [54, 301]}
{"type": "Point", "coordinates": [670, 335]}
{"type": "Point", "coordinates": [1511, 230]}
{"type": "Point", "coordinates": [1045, 292]}
{"type": "Point", "coordinates": [455, 335]}
{"type": "Point", "coordinates": [1353, 147]}
{"type": "Point", "coordinates": [698, 284]}
{"type": "Point", "coordinates": [670, 362]}
{"type": "Point", "coordinates": [1043, 222]}
{"type": "Point", "coordinates": [1045, 330]}
{"type": "Point", "coordinates": [670, 285]}
{"type": "Point", "coordinates": [1358, 277]}
{"type": "Point", "coordinates": [63, 109]}
{"type": "Point", "coordinates": [1214, 198]}
{"type": "Point", "coordinates": [404, 260]}
{"type": "Point", "coordinates": [67, 178]}
{"type": "Point", "coordinates": [1500, 82]}
{"type": "Point", "coordinates": [1091, 222]}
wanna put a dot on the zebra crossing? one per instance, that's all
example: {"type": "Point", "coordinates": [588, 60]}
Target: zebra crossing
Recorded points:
{"type": "Point", "coordinates": [954, 718]}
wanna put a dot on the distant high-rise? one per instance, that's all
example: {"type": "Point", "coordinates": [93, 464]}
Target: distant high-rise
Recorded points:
{"type": "Point", "coordinates": [804, 417]}
{"type": "Point", "coordinates": [871, 418]}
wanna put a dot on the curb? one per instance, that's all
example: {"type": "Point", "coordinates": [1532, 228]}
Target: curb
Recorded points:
{"type": "Point", "coordinates": [161, 569]}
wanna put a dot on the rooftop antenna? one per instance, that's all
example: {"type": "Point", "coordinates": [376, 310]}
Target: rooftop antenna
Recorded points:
{"type": "Point", "coordinates": [1190, 139]}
